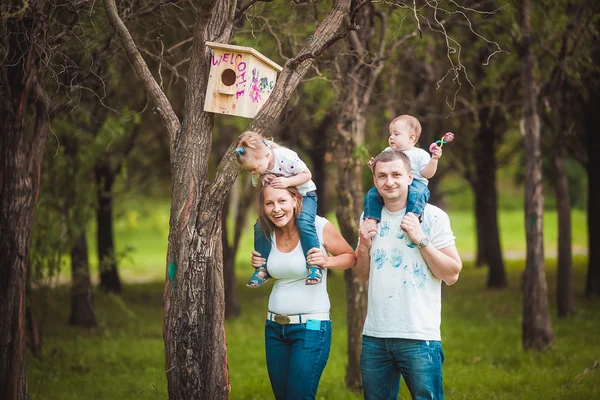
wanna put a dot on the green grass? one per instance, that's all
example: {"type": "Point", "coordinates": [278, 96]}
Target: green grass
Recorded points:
{"type": "Point", "coordinates": [124, 357]}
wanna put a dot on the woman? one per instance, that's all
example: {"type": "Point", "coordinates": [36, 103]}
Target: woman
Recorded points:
{"type": "Point", "coordinates": [298, 327]}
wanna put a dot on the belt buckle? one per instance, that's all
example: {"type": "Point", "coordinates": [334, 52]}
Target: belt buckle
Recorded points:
{"type": "Point", "coordinates": [281, 319]}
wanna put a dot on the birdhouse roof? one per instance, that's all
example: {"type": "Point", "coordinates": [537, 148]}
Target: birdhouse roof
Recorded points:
{"type": "Point", "coordinates": [244, 49]}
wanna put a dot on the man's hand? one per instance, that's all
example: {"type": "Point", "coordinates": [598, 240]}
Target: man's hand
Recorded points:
{"type": "Point", "coordinates": [367, 230]}
{"type": "Point", "coordinates": [437, 154]}
{"type": "Point", "coordinates": [280, 182]}
{"type": "Point", "coordinates": [411, 225]}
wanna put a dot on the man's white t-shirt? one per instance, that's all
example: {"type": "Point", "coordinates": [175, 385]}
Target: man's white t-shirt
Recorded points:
{"type": "Point", "coordinates": [287, 163]}
{"type": "Point", "coordinates": [419, 159]}
{"type": "Point", "coordinates": [290, 294]}
{"type": "Point", "coordinates": [404, 296]}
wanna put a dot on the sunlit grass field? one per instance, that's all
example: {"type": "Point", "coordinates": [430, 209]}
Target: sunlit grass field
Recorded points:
{"type": "Point", "coordinates": [124, 358]}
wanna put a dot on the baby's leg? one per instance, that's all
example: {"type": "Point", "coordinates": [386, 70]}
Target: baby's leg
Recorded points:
{"type": "Point", "coordinates": [418, 196]}
{"type": "Point", "coordinates": [308, 234]}
{"type": "Point", "coordinates": [372, 205]}
{"type": "Point", "coordinates": [263, 246]}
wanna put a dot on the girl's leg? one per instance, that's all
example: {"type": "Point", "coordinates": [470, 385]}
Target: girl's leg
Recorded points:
{"type": "Point", "coordinates": [418, 196]}
{"type": "Point", "coordinates": [263, 246]}
{"type": "Point", "coordinates": [373, 205]}
{"type": "Point", "coordinates": [308, 234]}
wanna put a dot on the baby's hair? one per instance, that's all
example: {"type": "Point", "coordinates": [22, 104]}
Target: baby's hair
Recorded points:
{"type": "Point", "coordinates": [251, 146]}
{"type": "Point", "coordinates": [413, 124]}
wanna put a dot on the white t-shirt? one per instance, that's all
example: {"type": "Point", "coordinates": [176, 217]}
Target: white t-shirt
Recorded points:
{"type": "Point", "coordinates": [419, 159]}
{"type": "Point", "coordinates": [290, 295]}
{"type": "Point", "coordinates": [287, 163]}
{"type": "Point", "coordinates": [404, 296]}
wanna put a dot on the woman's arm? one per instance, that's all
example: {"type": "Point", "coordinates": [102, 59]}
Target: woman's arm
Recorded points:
{"type": "Point", "coordinates": [342, 255]}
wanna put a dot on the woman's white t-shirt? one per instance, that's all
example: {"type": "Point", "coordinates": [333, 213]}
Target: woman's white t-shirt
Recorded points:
{"type": "Point", "coordinates": [290, 294]}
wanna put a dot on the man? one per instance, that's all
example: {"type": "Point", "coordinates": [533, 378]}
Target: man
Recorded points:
{"type": "Point", "coordinates": [405, 262]}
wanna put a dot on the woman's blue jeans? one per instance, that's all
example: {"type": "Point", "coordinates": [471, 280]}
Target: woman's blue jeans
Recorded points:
{"type": "Point", "coordinates": [296, 357]}
{"type": "Point", "coordinates": [306, 228]}
{"type": "Point", "coordinates": [418, 196]}
{"type": "Point", "coordinates": [383, 361]}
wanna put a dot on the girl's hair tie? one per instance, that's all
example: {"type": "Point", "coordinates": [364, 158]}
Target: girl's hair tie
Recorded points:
{"type": "Point", "coordinates": [240, 150]}
{"type": "Point", "coordinates": [266, 144]}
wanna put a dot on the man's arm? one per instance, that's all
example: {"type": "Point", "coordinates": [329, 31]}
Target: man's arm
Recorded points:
{"type": "Point", "coordinates": [363, 257]}
{"type": "Point", "coordinates": [445, 264]}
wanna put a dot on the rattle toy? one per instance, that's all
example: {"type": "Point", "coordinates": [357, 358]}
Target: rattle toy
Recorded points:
{"type": "Point", "coordinates": [447, 138]}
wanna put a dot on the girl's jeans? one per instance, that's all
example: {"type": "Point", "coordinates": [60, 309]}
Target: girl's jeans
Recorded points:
{"type": "Point", "coordinates": [306, 228]}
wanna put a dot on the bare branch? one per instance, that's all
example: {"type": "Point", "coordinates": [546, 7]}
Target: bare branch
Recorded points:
{"type": "Point", "coordinates": [243, 9]}
{"type": "Point", "coordinates": [163, 106]}
{"type": "Point", "coordinates": [161, 61]}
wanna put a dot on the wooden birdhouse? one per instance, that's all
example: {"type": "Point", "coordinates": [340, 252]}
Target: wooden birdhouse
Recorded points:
{"type": "Point", "coordinates": [240, 81]}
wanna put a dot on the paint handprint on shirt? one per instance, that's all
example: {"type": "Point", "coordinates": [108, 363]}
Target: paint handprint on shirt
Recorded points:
{"type": "Point", "coordinates": [419, 274]}
{"type": "Point", "coordinates": [385, 229]}
{"type": "Point", "coordinates": [380, 258]}
{"type": "Point", "coordinates": [396, 258]}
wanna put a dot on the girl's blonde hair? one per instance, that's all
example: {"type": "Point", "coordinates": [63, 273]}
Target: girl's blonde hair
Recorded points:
{"type": "Point", "coordinates": [266, 225]}
{"type": "Point", "coordinates": [251, 146]}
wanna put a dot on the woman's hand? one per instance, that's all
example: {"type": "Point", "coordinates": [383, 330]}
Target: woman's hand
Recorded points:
{"type": "Point", "coordinates": [317, 257]}
{"type": "Point", "coordinates": [257, 260]}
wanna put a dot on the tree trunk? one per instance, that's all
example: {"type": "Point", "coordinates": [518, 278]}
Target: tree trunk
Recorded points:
{"type": "Point", "coordinates": [82, 296]}
{"type": "Point", "coordinates": [537, 329]}
{"type": "Point", "coordinates": [20, 164]}
{"type": "Point", "coordinates": [194, 334]}
{"type": "Point", "coordinates": [592, 121]}
{"type": "Point", "coordinates": [358, 80]}
{"type": "Point", "coordinates": [486, 206]}
{"type": "Point", "coordinates": [107, 261]}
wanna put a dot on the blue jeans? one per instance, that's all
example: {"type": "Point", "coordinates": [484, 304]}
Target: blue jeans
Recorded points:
{"type": "Point", "coordinates": [384, 361]}
{"type": "Point", "coordinates": [306, 228]}
{"type": "Point", "coordinates": [418, 196]}
{"type": "Point", "coordinates": [296, 357]}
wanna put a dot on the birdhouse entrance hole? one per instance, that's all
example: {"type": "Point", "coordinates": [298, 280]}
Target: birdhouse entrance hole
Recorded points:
{"type": "Point", "coordinates": [228, 77]}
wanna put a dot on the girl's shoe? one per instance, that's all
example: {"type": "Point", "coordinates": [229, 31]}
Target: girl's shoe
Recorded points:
{"type": "Point", "coordinates": [315, 275]}
{"type": "Point", "coordinates": [260, 276]}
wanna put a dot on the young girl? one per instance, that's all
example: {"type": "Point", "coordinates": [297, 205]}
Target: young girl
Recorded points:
{"type": "Point", "coordinates": [280, 167]}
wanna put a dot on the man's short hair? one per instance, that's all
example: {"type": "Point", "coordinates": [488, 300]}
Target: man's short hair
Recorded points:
{"type": "Point", "coordinates": [391, 155]}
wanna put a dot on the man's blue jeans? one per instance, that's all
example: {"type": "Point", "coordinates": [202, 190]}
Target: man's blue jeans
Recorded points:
{"type": "Point", "coordinates": [296, 357]}
{"type": "Point", "coordinates": [306, 228]}
{"type": "Point", "coordinates": [418, 196]}
{"type": "Point", "coordinates": [384, 361]}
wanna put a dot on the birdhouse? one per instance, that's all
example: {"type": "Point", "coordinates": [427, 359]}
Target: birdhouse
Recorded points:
{"type": "Point", "coordinates": [240, 81]}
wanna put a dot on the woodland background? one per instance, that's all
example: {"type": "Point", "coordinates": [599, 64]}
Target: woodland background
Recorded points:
{"type": "Point", "coordinates": [125, 227]}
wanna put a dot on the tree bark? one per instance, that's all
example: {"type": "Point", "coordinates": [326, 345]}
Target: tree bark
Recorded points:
{"type": "Point", "coordinates": [592, 121]}
{"type": "Point", "coordinates": [20, 165]}
{"type": "Point", "coordinates": [358, 79]}
{"type": "Point", "coordinates": [107, 261]}
{"type": "Point", "coordinates": [82, 295]}
{"type": "Point", "coordinates": [537, 329]}
{"type": "Point", "coordinates": [195, 350]}
{"type": "Point", "coordinates": [486, 206]}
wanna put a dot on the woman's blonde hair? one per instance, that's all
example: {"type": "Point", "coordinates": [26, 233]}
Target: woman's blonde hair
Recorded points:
{"type": "Point", "coordinates": [251, 146]}
{"type": "Point", "coordinates": [266, 225]}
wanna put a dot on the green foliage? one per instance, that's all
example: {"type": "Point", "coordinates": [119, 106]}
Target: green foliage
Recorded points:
{"type": "Point", "coordinates": [124, 356]}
